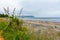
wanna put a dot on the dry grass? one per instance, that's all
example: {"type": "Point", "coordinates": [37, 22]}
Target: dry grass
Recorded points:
{"type": "Point", "coordinates": [1, 38]}
{"type": "Point", "coordinates": [50, 33]}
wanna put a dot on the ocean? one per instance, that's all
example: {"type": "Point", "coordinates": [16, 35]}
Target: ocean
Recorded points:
{"type": "Point", "coordinates": [43, 19]}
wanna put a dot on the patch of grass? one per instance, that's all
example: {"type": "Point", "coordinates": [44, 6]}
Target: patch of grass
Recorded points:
{"type": "Point", "coordinates": [58, 34]}
{"type": "Point", "coordinates": [13, 29]}
{"type": "Point", "coordinates": [47, 34]}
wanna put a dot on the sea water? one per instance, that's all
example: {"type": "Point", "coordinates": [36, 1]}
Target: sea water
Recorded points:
{"type": "Point", "coordinates": [43, 19]}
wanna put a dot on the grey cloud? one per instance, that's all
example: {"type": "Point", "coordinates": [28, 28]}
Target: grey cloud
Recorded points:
{"type": "Point", "coordinates": [42, 8]}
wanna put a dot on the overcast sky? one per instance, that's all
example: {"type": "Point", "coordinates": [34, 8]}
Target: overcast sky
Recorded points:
{"type": "Point", "coordinates": [38, 8]}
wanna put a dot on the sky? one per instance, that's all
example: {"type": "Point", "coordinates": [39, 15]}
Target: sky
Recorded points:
{"type": "Point", "coordinates": [37, 8]}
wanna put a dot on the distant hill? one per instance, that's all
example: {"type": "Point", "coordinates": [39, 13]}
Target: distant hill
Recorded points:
{"type": "Point", "coordinates": [26, 16]}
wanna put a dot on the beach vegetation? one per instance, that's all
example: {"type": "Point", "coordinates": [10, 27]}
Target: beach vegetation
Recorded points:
{"type": "Point", "coordinates": [13, 28]}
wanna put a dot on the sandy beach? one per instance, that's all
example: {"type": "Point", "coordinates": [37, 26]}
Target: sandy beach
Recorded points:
{"type": "Point", "coordinates": [43, 25]}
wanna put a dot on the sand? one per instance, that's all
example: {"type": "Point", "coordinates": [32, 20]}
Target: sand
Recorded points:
{"type": "Point", "coordinates": [43, 25]}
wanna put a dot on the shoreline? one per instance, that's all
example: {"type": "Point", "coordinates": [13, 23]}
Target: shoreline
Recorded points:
{"type": "Point", "coordinates": [43, 25]}
{"type": "Point", "coordinates": [42, 21]}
